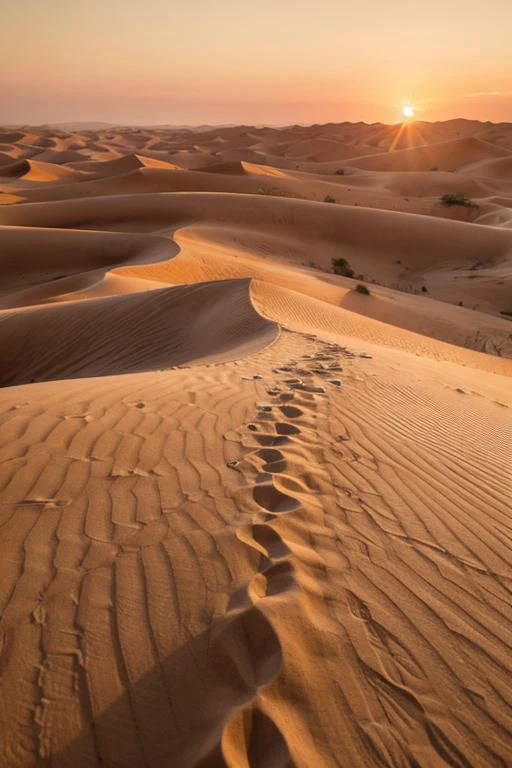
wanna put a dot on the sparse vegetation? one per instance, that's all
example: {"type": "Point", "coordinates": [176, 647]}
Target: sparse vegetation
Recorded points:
{"type": "Point", "coordinates": [340, 172]}
{"type": "Point", "coordinates": [275, 192]}
{"type": "Point", "coordinates": [342, 267]}
{"type": "Point", "coordinates": [449, 199]}
{"type": "Point", "coordinates": [329, 199]}
{"type": "Point", "coordinates": [360, 288]}
{"type": "Point", "coordinates": [434, 168]}
{"type": "Point", "coordinates": [262, 190]}
{"type": "Point", "coordinates": [424, 289]}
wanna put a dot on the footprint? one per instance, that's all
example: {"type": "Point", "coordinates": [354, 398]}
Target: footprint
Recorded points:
{"type": "Point", "coordinates": [314, 390]}
{"type": "Point", "coordinates": [279, 577]}
{"type": "Point", "coordinates": [274, 460]}
{"type": "Point", "coordinates": [283, 428]}
{"type": "Point", "coordinates": [271, 440]}
{"type": "Point", "coordinates": [245, 652]}
{"type": "Point", "coordinates": [274, 579]}
{"type": "Point", "coordinates": [270, 540]}
{"type": "Point", "coordinates": [290, 411]}
{"type": "Point", "coordinates": [270, 455]}
{"type": "Point", "coordinates": [268, 497]}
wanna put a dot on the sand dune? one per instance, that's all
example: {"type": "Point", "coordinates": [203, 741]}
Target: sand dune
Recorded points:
{"type": "Point", "coordinates": [138, 332]}
{"type": "Point", "coordinates": [446, 156]}
{"type": "Point", "coordinates": [32, 257]}
{"type": "Point", "coordinates": [37, 171]}
{"type": "Point", "coordinates": [499, 170]}
{"type": "Point", "coordinates": [252, 517]}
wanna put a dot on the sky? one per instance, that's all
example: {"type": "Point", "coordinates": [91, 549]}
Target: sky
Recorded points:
{"type": "Point", "coordinates": [271, 61]}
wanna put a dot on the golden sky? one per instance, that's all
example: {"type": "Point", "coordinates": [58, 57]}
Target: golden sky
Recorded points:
{"type": "Point", "coordinates": [271, 61]}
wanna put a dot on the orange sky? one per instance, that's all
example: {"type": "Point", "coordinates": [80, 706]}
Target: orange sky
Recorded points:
{"type": "Point", "coordinates": [265, 62]}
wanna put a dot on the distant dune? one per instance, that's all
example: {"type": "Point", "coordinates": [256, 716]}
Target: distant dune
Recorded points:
{"type": "Point", "coordinates": [445, 156]}
{"type": "Point", "coordinates": [256, 446]}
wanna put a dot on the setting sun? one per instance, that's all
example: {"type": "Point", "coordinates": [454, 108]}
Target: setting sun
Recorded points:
{"type": "Point", "coordinates": [408, 112]}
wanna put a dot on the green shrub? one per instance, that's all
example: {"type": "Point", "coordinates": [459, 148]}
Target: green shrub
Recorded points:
{"type": "Point", "coordinates": [360, 288]}
{"type": "Point", "coordinates": [329, 199]}
{"type": "Point", "coordinates": [342, 267]}
{"type": "Point", "coordinates": [449, 199]}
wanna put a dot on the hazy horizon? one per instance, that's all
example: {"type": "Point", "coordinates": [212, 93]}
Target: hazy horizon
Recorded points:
{"type": "Point", "coordinates": [99, 124]}
{"type": "Point", "coordinates": [263, 65]}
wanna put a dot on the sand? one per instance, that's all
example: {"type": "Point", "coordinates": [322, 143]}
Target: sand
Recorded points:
{"type": "Point", "coordinates": [251, 517]}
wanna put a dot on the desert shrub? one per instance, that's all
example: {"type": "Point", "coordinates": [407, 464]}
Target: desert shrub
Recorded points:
{"type": "Point", "coordinates": [329, 199]}
{"type": "Point", "coordinates": [461, 303]}
{"type": "Point", "coordinates": [449, 199]}
{"type": "Point", "coordinates": [342, 267]}
{"type": "Point", "coordinates": [434, 168]}
{"type": "Point", "coordinates": [424, 289]}
{"type": "Point", "coordinates": [340, 172]}
{"type": "Point", "coordinates": [360, 288]}
{"type": "Point", "coordinates": [263, 190]}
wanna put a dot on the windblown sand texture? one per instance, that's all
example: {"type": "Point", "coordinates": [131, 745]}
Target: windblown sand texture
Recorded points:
{"type": "Point", "coordinates": [250, 517]}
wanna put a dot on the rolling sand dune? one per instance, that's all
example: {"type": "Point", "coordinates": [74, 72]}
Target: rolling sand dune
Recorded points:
{"type": "Point", "coordinates": [36, 171]}
{"type": "Point", "coordinates": [140, 331]}
{"type": "Point", "coordinates": [250, 516]}
{"type": "Point", "coordinates": [446, 156]}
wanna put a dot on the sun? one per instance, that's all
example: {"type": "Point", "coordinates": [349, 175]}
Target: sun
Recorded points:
{"type": "Point", "coordinates": [408, 112]}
